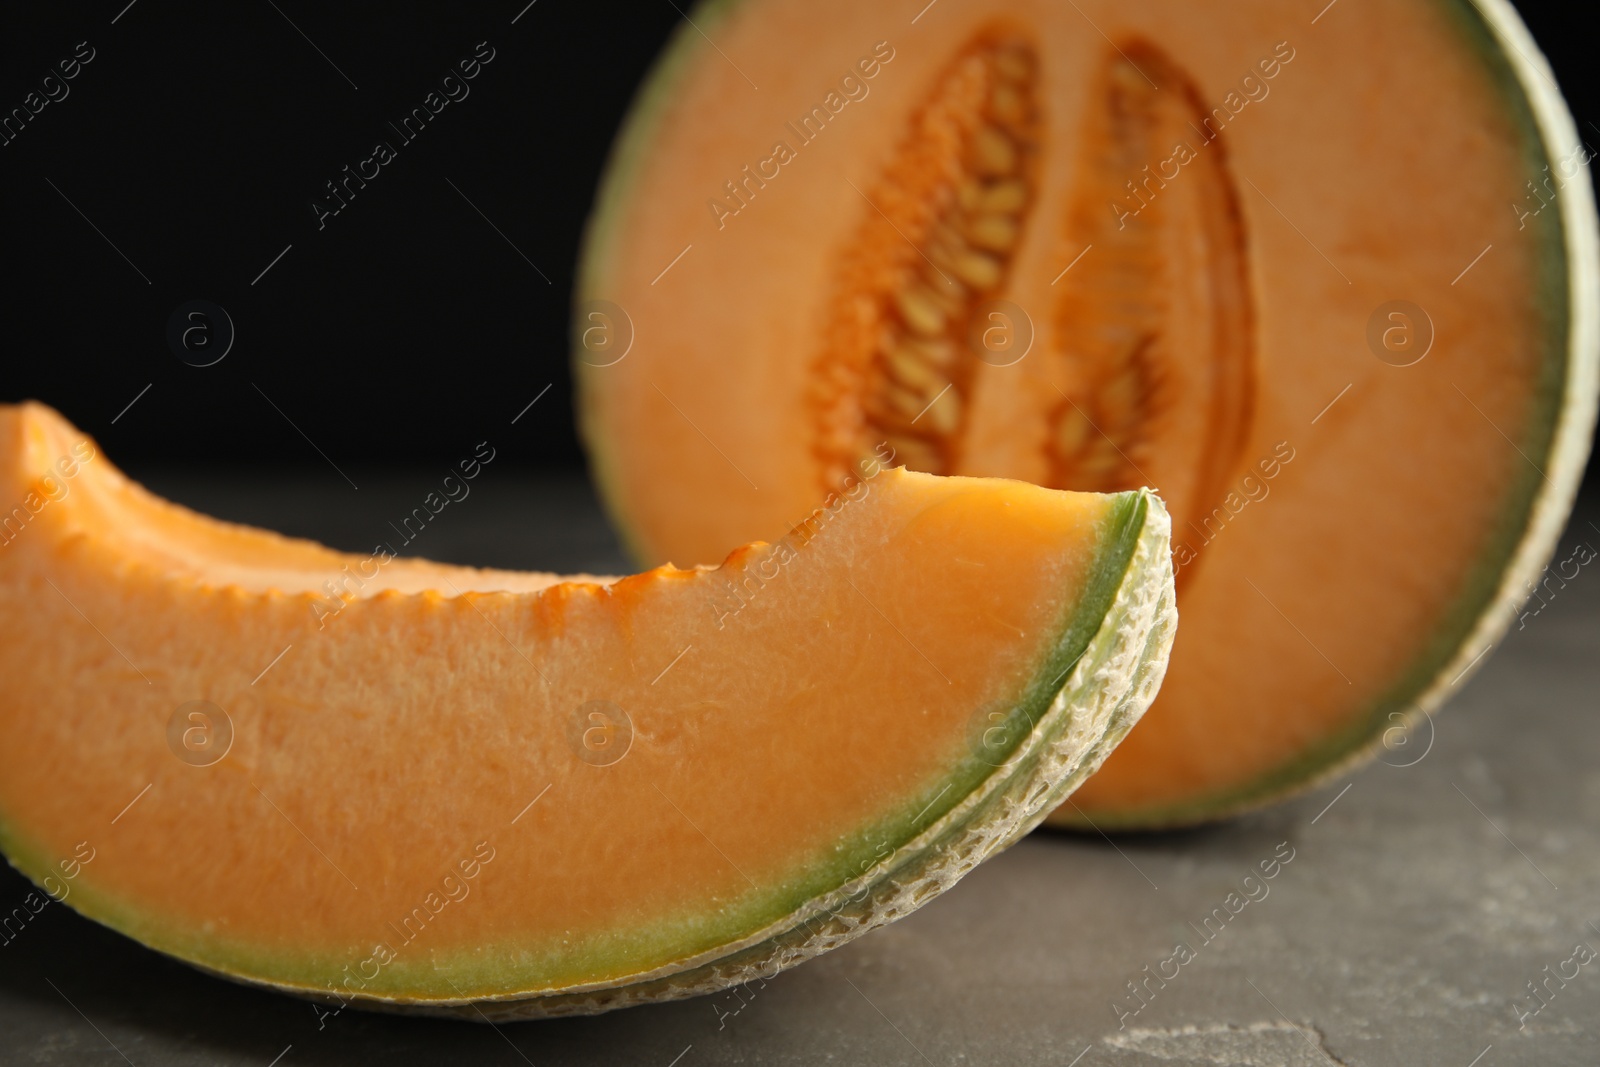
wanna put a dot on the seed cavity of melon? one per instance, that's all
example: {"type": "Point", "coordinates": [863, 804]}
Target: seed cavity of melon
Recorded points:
{"type": "Point", "coordinates": [936, 241]}
{"type": "Point", "coordinates": [1155, 200]}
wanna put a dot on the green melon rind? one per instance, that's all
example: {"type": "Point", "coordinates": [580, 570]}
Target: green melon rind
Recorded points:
{"type": "Point", "coordinates": [1559, 431]}
{"type": "Point", "coordinates": [1099, 619]}
{"type": "Point", "coordinates": [1559, 437]}
{"type": "Point", "coordinates": [1147, 680]}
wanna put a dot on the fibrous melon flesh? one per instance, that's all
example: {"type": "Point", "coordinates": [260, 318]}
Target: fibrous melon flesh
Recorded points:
{"type": "Point", "coordinates": [406, 785]}
{"type": "Point", "coordinates": [1324, 274]}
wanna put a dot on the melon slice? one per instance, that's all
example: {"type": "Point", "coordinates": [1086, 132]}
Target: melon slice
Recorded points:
{"type": "Point", "coordinates": [409, 785]}
{"type": "Point", "coordinates": [1322, 274]}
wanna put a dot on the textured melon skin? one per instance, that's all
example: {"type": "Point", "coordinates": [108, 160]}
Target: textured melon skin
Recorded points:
{"type": "Point", "coordinates": [1538, 505]}
{"type": "Point", "coordinates": [1104, 658]}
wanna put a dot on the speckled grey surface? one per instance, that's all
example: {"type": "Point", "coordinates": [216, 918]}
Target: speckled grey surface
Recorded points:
{"type": "Point", "coordinates": [1404, 930]}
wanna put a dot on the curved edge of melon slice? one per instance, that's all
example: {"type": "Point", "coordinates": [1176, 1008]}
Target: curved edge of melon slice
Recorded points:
{"type": "Point", "coordinates": [1102, 661]}
{"type": "Point", "coordinates": [1103, 690]}
{"type": "Point", "coordinates": [1529, 533]}
{"type": "Point", "coordinates": [1107, 687]}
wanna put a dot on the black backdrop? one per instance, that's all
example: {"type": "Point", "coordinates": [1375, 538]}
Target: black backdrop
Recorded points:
{"type": "Point", "coordinates": [434, 303]}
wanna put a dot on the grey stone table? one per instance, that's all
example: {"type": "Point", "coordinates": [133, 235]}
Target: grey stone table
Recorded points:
{"type": "Point", "coordinates": [1419, 903]}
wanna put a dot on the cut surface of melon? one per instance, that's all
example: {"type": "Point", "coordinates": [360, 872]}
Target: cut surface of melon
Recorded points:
{"type": "Point", "coordinates": [1325, 277]}
{"type": "Point", "coordinates": [404, 784]}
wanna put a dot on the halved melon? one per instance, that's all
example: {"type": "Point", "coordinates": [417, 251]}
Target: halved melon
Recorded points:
{"type": "Point", "coordinates": [403, 784]}
{"type": "Point", "coordinates": [1323, 274]}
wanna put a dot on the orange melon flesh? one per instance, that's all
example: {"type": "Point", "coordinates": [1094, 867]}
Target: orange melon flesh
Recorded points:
{"type": "Point", "coordinates": [1113, 244]}
{"type": "Point", "coordinates": [423, 804]}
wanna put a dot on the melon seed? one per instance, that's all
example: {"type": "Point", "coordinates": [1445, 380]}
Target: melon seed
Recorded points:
{"type": "Point", "coordinates": [1008, 105]}
{"type": "Point", "coordinates": [1072, 431]}
{"type": "Point", "coordinates": [969, 194]}
{"type": "Point", "coordinates": [977, 269]}
{"type": "Point", "coordinates": [962, 201]}
{"type": "Point", "coordinates": [943, 413]}
{"type": "Point", "coordinates": [915, 373]}
{"type": "Point", "coordinates": [938, 353]}
{"type": "Point", "coordinates": [903, 402]}
{"type": "Point", "coordinates": [1007, 197]}
{"type": "Point", "coordinates": [948, 292]}
{"type": "Point", "coordinates": [995, 232]}
{"type": "Point", "coordinates": [1122, 397]}
{"type": "Point", "coordinates": [921, 310]}
{"type": "Point", "coordinates": [993, 153]}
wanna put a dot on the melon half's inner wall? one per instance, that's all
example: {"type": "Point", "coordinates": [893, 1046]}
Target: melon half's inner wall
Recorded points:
{"type": "Point", "coordinates": [1307, 271]}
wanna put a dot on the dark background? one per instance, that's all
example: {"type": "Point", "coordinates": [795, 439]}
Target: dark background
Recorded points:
{"type": "Point", "coordinates": [407, 329]}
